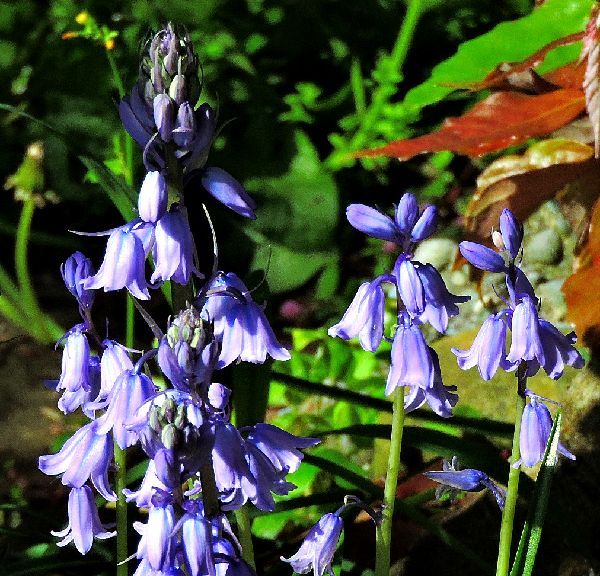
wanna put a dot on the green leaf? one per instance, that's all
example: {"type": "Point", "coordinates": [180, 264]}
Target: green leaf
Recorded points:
{"type": "Point", "coordinates": [507, 42]}
{"type": "Point", "coordinates": [297, 220]}
{"type": "Point", "coordinates": [121, 195]}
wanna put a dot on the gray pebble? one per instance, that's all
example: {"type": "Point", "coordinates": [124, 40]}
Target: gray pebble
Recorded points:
{"type": "Point", "coordinates": [546, 247]}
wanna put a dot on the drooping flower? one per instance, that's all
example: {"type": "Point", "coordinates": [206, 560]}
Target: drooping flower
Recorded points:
{"type": "Point", "coordinates": [488, 351]}
{"type": "Point", "coordinates": [240, 324]}
{"type": "Point", "coordinates": [526, 343]}
{"type": "Point", "coordinates": [470, 480]}
{"type": "Point", "coordinates": [364, 317]}
{"type": "Point", "coordinates": [143, 495]}
{"type": "Point", "coordinates": [536, 426]}
{"type": "Point", "coordinates": [115, 360]}
{"type": "Point", "coordinates": [75, 361]}
{"type": "Point", "coordinates": [123, 265]}
{"type": "Point", "coordinates": [317, 550]}
{"type": "Point", "coordinates": [71, 400]}
{"type": "Point", "coordinates": [86, 455]}
{"type": "Point", "coordinates": [153, 198]}
{"type": "Point", "coordinates": [412, 363]}
{"type": "Point", "coordinates": [84, 522]}
{"type": "Point", "coordinates": [196, 539]}
{"type": "Point", "coordinates": [410, 288]}
{"type": "Point", "coordinates": [75, 269]}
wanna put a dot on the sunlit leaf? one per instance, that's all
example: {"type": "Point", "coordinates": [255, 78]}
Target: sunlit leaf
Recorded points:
{"type": "Point", "coordinates": [508, 42]}
{"type": "Point", "coordinates": [501, 120]}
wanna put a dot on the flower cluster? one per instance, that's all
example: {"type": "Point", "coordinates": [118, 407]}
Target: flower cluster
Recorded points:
{"type": "Point", "coordinates": [200, 465]}
{"type": "Point", "coordinates": [422, 297]}
{"type": "Point", "coordinates": [535, 342]}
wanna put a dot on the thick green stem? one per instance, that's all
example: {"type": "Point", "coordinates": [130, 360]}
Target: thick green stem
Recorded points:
{"type": "Point", "coordinates": [245, 535]}
{"type": "Point", "coordinates": [384, 530]}
{"type": "Point", "coordinates": [41, 326]}
{"type": "Point", "coordinates": [512, 493]}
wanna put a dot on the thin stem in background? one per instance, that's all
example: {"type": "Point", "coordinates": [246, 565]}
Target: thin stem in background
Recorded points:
{"type": "Point", "coordinates": [512, 493]}
{"type": "Point", "coordinates": [245, 535]}
{"type": "Point", "coordinates": [384, 530]}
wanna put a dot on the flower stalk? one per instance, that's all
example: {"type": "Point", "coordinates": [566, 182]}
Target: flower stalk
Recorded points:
{"type": "Point", "coordinates": [384, 529]}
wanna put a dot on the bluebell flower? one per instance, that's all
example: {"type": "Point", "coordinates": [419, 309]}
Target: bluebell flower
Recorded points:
{"type": "Point", "coordinates": [71, 400]}
{"type": "Point", "coordinates": [412, 363]}
{"type": "Point", "coordinates": [153, 198]}
{"type": "Point", "coordinates": [86, 455]}
{"type": "Point", "coordinates": [84, 522]}
{"type": "Point", "coordinates": [317, 550]}
{"type": "Point", "coordinates": [130, 392]}
{"type": "Point", "coordinates": [405, 230]}
{"type": "Point", "coordinates": [558, 350]}
{"type": "Point", "coordinates": [512, 232]}
{"type": "Point", "coordinates": [157, 544]}
{"type": "Point", "coordinates": [240, 325]}
{"type": "Point", "coordinates": [279, 446]}
{"type": "Point", "coordinates": [469, 480]}
{"type": "Point", "coordinates": [227, 190]}
{"type": "Point", "coordinates": [76, 269]}
{"type": "Point", "coordinates": [164, 116]}
{"type": "Point", "coordinates": [196, 539]}
{"type": "Point", "coordinates": [143, 495]}
{"type": "Point", "coordinates": [185, 126]}
{"type": "Point", "coordinates": [123, 264]}
{"type": "Point", "coordinates": [115, 360]}
{"type": "Point", "coordinates": [440, 304]}
{"type": "Point", "coordinates": [441, 398]}
{"type": "Point", "coordinates": [228, 560]}
{"type": "Point", "coordinates": [75, 361]}
{"type": "Point", "coordinates": [174, 250]}
{"type": "Point", "coordinates": [364, 317]}
{"type": "Point", "coordinates": [488, 351]}
{"type": "Point", "coordinates": [410, 288]}
{"type": "Point", "coordinates": [536, 426]}
{"type": "Point", "coordinates": [526, 343]}
{"type": "Point", "coordinates": [482, 257]}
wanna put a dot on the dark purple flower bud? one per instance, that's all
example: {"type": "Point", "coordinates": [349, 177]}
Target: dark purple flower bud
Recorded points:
{"type": "Point", "coordinates": [512, 232]}
{"type": "Point", "coordinates": [412, 363]}
{"type": "Point", "coordinates": [364, 317]}
{"type": "Point", "coordinates": [75, 361]}
{"type": "Point", "coordinates": [157, 544]}
{"type": "Point", "coordinates": [526, 342]}
{"type": "Point", "coordinates": [469, 480]}
{"type": "Point", "coordinates": [227, 190]}
{"type": "Point", "coordinates": [240, 325]}
{"type": "Point", "coordinates": [174, 249]}
{"type": "Point", "coordinates": [441, 398]}
{"type": "Point", "coordinates": [84, 522]}
{"type": "Point", "coordinates": [316, 552]}
{"type": "Point", "coordinates": [482, 257]}
{"type": "Point", "coordinates": [439, 303]}
{"type": "Point", "coordinates": [488, 351]}
{"type": "Point", "coordinates": [279, 446]}
{"type": "Point", "coordinates": [164, 116]}
{"type": "Point", "coordinates": [536, 426]}
{"type": "Point", "coordinates": [86, 455]}
{"type": "Point", "coordinates": [409, 286]}
{"type": "Point", "coordinates": [76, 269]}
{"type": "Point", "coordinates": [425, 225]}
{"type": "Point", "coordinates": [123, 265]}
{"type": "Point", "coordinates": [407, 213]}
{"type": "Point", "coordinates": [373, 222]}
{"type": "Point", "coordinates": [185, 126]}
{"type": "Point", "coordinates": [130, 391]}
{"type": "Point", "coordinates": [153, 198]}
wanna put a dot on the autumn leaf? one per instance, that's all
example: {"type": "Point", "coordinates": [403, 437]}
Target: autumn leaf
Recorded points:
{"type": "Point", "coordinates": [582, 288]}
{"type": "Point", "coordinates": [501, 120]}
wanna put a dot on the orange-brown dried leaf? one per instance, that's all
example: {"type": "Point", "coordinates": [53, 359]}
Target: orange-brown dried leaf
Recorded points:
{"type": "Point", "coordinates": [501, 120]}
{"type": "Point", "coordinates": [591, 81]}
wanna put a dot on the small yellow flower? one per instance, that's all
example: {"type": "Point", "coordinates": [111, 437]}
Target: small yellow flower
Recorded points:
{"type": "Point", "coordinates": [82, 18]}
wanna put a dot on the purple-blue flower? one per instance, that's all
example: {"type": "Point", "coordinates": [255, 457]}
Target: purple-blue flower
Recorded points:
{"type": "Point", "coordinates": [412, 363]}
{"type": "Point", "coordinates": [488, 351]}
{"type": "Point", "coordinates": [86, 455]}
{"type": "Point", "coordinates": [409, 286]}
{"type": "Point", "coordinates": [240, 324]}
{"type": "Point", "coordinates": [75, 361]}
{"type": "Point", "coordinates": [469, 480]}
{"type": "Point", "coordinates": [157, 543]}
{"type": "Point", "coordinates": [123, 265]}
{"type": "Point", "coordinates": [143, 495]}
{"type": "Point", "coordinates": [364, 317]}
{"type": "Point", "coordinates": [512, 232]}
{"type": "Point", "coordinates": [196, 539]}
{"type": "Point", "coordinates": [482, 257]}
{"type": "Point", "coordinates": [173, 250]}
{"type": "Point", "coordinates": [526, 343]}
{"type": "Point", "coordinates": [71, 400]}
{"type": "Point", "coordinates": [317, 550]}
{"type": "Point", "coordinates": [227, 190]}
{"type": "Point", "coordinates": [84, 522]}
{"type": "Point", "coordinates": [536, 426]}
{"type": "Point", "coordinates": [115, 360]}
{"type": "Point", "coordinates": [76, 269]}
{"type": "Point", "coordinates": [153, 198]}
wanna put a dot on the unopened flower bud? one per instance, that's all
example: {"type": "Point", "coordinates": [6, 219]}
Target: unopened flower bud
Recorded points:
{"type": "Point", "coordinates": [154, 419]}
{"type": "Point", "coordinates": [76, 269]}
{"type": "Point", "coordinates": [185, 126]}
{"type": "Point", "coordinates": [163, 116]}
{"type": "Point", "coordinates": [169, 436]}
{"type": "Point", "coordinates": [153, 198]}
{"type": "Point", "coordinates": [177, 89]}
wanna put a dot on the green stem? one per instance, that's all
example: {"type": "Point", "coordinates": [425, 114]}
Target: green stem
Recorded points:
{"type": "Point", "coordinates": [41, 326]}
{"type": "Point", "coordinates": [121, 510]}
{"type": "Point", "coordinates": [512, 493]}
{"type": "Point", "coordinates": [384, 530]}
{"type": "Point", "coordinates": [245, 535]}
